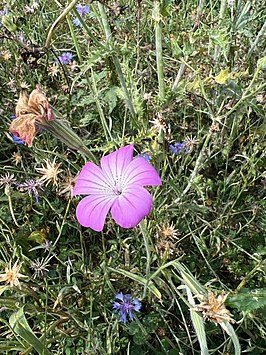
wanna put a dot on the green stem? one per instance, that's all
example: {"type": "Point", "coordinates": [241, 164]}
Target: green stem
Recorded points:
{"type": "Point", "coordinates": [100, 110]}
{"type": "Point", "coordinates": [117, 64]}
{"type": "Point", "coordinates": [245, 94]}
{"type": "Point", "coordinates": [159, 50]}
{"type": "Point", "coordinates": [58, 21]}
{"type": "Point", "coordinates": [92, 87]}
{"type": "Point", "coordinates": [148, 255]}
{"type": "Point", "coordinates": [196, 168]}
{"type": "Point", "coordinates": [7, 192]}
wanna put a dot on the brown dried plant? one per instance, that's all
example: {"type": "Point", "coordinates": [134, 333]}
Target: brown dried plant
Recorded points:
{"type": "Point", "coordinates": [30, 110]}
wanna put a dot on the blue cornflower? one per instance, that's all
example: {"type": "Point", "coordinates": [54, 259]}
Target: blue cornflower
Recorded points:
{"type": "Point", "coordinates": [127, 305]}
{"type": "Point", "coordinates": [66, 57]}
{"type": "Point", "coordinates": [77, 22]}
{"type": "Point", "coordinates": [82, 10]}
{"type": "Point", "coordinates": [178, 148]}
{"type": "Point", "coordinates": [145, 156]}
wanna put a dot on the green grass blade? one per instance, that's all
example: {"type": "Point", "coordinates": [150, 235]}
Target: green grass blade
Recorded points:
{"type": "Point", "coordinates": [20, 326]}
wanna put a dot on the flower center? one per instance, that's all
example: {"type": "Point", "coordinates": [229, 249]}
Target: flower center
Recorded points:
{"type": "Point", "coordinates": [117, 190]}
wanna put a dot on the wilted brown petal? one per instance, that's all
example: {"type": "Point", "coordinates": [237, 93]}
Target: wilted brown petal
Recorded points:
{"type": "Point", "coordinates": [29, 110]}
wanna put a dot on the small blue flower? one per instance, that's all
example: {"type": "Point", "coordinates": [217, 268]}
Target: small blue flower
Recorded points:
{"type": "Point", "coordinates": [77, 22]}
{"type": "Point", "coordinates": [178, 148]}
{"type": "Point", "coordinates": [66, 57]}
{"type": "Point", "coordinates": [17, 140]}
{"type": "Point", "coordinates": [126, 305]}
{"type": "Point", "coordinates": [82, 10]}
{"type": "Point", "coordinates": [145, 156]}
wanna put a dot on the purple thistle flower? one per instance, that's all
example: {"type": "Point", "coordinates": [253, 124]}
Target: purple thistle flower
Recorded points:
{"type": "Point", "coordinates": [178, 148]}
{"type": "Point", "coordinates": [117, 185]}
{"type": "Point", "coordinates": [126, 305]}
{"type": "Point", "coordinates": [31, 186]}
{"type": "Point", "coordinates": [66, 57]}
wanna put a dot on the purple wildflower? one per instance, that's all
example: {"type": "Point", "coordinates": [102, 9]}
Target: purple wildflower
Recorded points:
{"type": "Point", "coordinates": [82, 10]}
{"type": "Point", "coordinates": [117, 185]}
{"type": "Point", "coordinates": [31, 186]}
{"type": "Point", "coordinates": [77, 22]}
{"type": "Point", "coordinates": [66, 57]}
{"type": "Point", "coordinates": [126, 306]}
{"type": "Point", "coordinates": [145, 156]}
{"type": "Point", "coordinates": [178, 148]}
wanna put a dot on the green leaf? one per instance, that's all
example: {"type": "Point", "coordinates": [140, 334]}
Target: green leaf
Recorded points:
{"type": "Point", "coordinates": [140, 280]}
{"type": "Point", "coordinates": [223, 76]}
{"type": "Point", "coordinates": [227, 327]}
{"type": "Point", "coordinates": [248, 300]}
{"type": "Point", "coordinates": [20, 326]}
{"type": "Point", "coordinates": [198, 324]}
{"type": "Point", "coordinates": [111, 98]}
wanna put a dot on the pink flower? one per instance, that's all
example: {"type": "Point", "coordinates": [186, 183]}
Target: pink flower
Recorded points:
{"type": "Point", "coordinates": [117, 185]}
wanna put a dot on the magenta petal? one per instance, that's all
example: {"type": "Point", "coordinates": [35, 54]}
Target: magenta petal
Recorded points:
{"type": "Point", "coordinates": [132, 206]}
{"type": "Point", "coordinates": [92, 210]}
{"type": "Point", "coordinates": [141, 172]}
{"type": "Point", "coordinates": [115, 163]}
{"type": "Point", "coordinates": [91, 180]}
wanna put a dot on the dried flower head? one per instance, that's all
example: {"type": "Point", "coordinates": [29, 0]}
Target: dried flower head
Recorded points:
{"type": "Point", "coordinates": [40, 267]}
{"type": "Point", "coordinates": [17, 158]}
{"type": "Point", "coordinates": [165, 243]}
{"type": "Point", "coordinates": [23, 85]}
{"type": "Point", "coordinates": [67, 185]}
{"type": "Point", "coordinates": [159, 124]}
{"type": "Point", "coordinates": [12, 274]}
{"type": "Point", "coordinates": [50, 172]}
{"type": "Point", "coordinates": [7, 180]}
{"type": "Point", "coordinates": [168, 231]}
{"type": "Point", "coordinates": [215, 128]}
{"type": "Point", "coordinates": [30, 110]}
{"type": "Point", "coordinates": [190, 143]}
{"type": "Point", "coordinates": [213, 308]}
{"type": "Point", "coordinates": [6, 55]}
{"type": "Point", "coordinates": [53, 70]}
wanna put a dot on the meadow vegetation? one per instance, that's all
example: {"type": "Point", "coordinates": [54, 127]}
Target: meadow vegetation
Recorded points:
{"type": "Point", "coordinates": [184, 82]}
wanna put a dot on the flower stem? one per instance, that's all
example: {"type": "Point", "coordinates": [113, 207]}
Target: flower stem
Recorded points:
{"type": "Point", "coordinates": [117, 64]}
{"type": "Point", "coordinates": [159, 49]}
{"type": "Point", "coordinates": [196, 168]}
{"type": "Point", "coordinates": [58, 21]}
{"type": "Point", "coordinates": [148, 255]}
